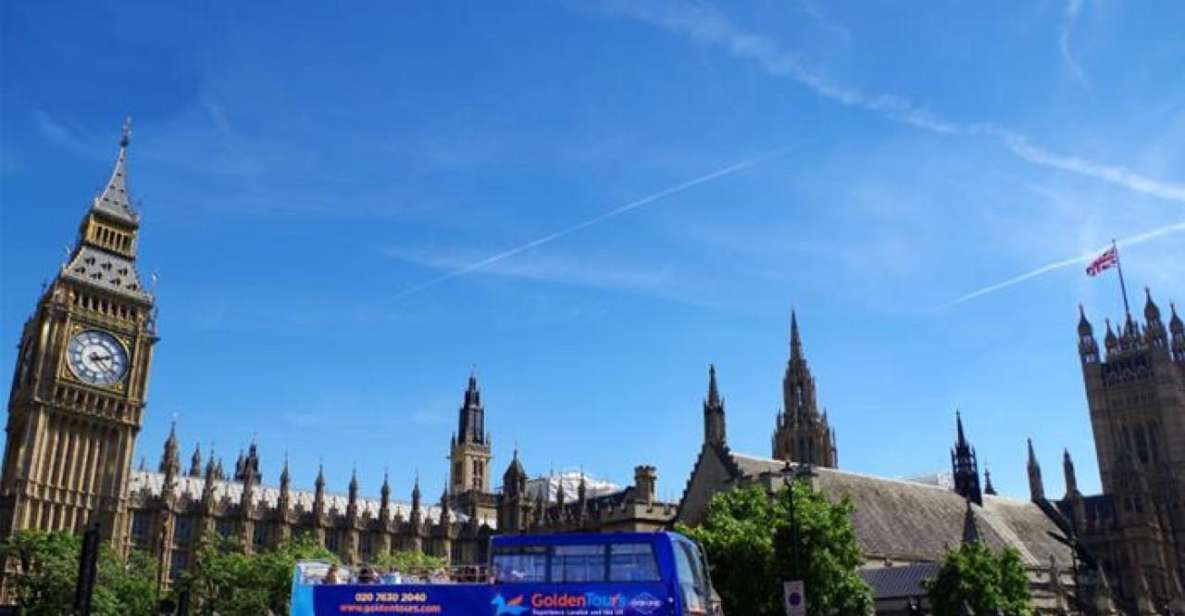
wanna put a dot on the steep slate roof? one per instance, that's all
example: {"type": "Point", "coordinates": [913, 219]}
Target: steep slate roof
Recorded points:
{"type": "Point", "coordinates": [114, 201]}
{"type": "Point", "coordinates": [899, 582]}
{"type": "Point", "coordinates": [905, 520]}
{"type": "Point", "coordinates": [105, 271]}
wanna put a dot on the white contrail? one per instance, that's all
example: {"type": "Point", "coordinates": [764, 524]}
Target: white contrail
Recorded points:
{"type": "Point", "coordinates": [1083, 258]}
{"type": "Point", "coordinates": [633, 205]}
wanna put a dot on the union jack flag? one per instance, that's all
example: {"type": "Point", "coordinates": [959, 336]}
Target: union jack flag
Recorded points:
{"type": "Point", "coordinates": [1106, 261]}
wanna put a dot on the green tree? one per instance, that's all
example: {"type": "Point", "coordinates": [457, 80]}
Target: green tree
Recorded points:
{"type": "Point", "coordinates": [46, 568]}
{"type": "Point", "coordinates": [416, 563]}
{"type": "Point", "coordinates": [225, 581]}
{"type": "Point", "coordinates": [750, 539]}
{"type": "Point", "coordinates": [987, 583]}
{"type": "Point", "coordinates": [46, 575]}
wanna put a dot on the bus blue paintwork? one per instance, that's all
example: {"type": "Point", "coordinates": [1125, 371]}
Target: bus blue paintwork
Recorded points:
{"type": "Point", "coordinates": [611, 574]}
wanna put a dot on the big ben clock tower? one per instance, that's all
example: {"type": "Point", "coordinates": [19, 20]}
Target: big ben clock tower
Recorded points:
{"type": "Point", "coordinates": [80, 384]}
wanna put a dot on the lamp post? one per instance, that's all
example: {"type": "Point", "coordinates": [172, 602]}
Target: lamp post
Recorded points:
{"type": "Point", "coordinates": [790, 474]}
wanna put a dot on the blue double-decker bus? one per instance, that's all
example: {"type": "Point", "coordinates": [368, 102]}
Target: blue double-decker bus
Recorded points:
{"type": "Point", "coordinates": [613, 574]}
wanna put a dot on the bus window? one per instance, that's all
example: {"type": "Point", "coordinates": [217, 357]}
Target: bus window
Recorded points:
{"type": "Point", "coordinates": [632, 562]}
{"type": "Point", "coordinates": [520, 564]}
{"type": "Point", "coordinates": [578, 563]}
{"type": "Point", "coordinates": [693, 585]}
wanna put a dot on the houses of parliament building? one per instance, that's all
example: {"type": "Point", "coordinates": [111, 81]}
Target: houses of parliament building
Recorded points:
{"type": "Point", "coordinates": [79, 394]}
{"type": "Point", "coordinates": [78, 399]}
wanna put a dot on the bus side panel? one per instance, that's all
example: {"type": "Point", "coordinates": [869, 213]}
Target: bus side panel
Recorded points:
{"type": "Point", "coordinates": [581, 599]}
{"type": "Point", "coordinates": [438, 599]}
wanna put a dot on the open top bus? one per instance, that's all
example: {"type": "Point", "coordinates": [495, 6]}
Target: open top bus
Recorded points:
{"type": "Point", "coordinates": [612, 574]}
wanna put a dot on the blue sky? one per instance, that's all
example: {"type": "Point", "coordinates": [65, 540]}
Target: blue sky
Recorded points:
{"type": "Point", "coordinates": [305, 174]}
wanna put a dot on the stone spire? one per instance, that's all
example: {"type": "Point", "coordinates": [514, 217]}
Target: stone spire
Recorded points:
{"type": "Point", "coordinates": [195, 462]}
{"type": "Point", "coordinates": [416, 513]}
{"type": "Point", "coordinates": [801, 433]}
{"type": "Point", "coordinates": [964, 466]}
{"type": "Point", "coordinates": [1110, 341]}
{"type": "Point", "coordinates": [1071, 476]}
{"type": "Point", "coordinates": [208, 485]}
{"type": "Point", "coordinates": [285, 494]}
{"type": "Point", "coordinates": [1088, 348]}
{"type": "Point", "coordinates": [514, 480]}
{"type": "Point", "coordinates": [471, 425]}
{"type": "Point", "coordinates": [1036, 486]}
{"type": "Point", "coordinates": [385, 498]}
{"type": "Point", "coordinates": [1177, 328]}
{"type": "Point", "coordinates": [1154, 331]}
{"type": "Point", "coordinates": [170, 459]}
{"type": "Point", "coordinates": [115, 201]}
{"type": "Point", "coordinates": [988, 488]}
{"type": "Point", "coordinates": [319, 492]}
{"type": "Point", "coordinates": [714, 426]}
{"type": "Point", "coordinates": [353, 489]}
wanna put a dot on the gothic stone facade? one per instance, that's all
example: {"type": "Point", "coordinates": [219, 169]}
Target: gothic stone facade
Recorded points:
{"type": "Point", "coordinates": [904, 527]}
{"type": "Point", "coordinates": [77, 403]}
{"type": "Point", "coordinates": [1136, 396]}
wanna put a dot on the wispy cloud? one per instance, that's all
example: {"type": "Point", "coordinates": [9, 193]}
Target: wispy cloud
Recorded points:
{"type": "Point", "coordinates": [812, 10]}
{"type": "Point", "coordinates": [582, 271]}
{"type": "Point", "coordinates": [1073, 8]}
{"type": "Point", "coordinates": [1082, 258]}
{"type": "Point", "coordinates": [704, 25]}
{"type": "Point", "coordinates": [615, 212]}
{"type": "Point", "coordinates": [62, 135]}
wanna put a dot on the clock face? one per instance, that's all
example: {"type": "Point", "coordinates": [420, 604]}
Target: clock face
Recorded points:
{"type": "Point", "coordinates": [97, 357]}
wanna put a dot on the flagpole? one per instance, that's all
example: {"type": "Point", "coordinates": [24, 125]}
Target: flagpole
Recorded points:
{"type": "Point", "coordinates": [1122, 286]}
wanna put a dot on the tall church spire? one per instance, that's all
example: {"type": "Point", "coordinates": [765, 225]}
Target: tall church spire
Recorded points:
{"type": "Point", "coordinates": [714, 427]}
{"type": "Point", "coordinates": [964, 466]}
{"type": "Point", "coordinates": [470, 452]}
{"type": "Point", "coordinates": [802, 434]}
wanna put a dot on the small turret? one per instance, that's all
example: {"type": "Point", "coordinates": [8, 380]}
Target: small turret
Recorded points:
{"type": "Point", "coordinates": [714, 426]}
{"type": "Point", "coordinates": [170, 459]}
{"type": "Point", "coordinates": [195, 462]}
{"type": "Point", "coordinates": [514, 480]}
{"type": "Point", "coordinates": [352, 499]}
{"type": "Point", "coordinates": [645, 484]}
{"type": "Point", "coordinates": [988, 488]}
{"type": "Point", "coordinates": [417, 516]}
{"type": "Point", "coordinates": [1088, 348]}
{"type": "Point", "coordinates": [1177, 329]}
{"type": "Point", "coordinates": [285, 495]}
{"type": "Point", "coordinates": [319, 493]}
{"type": "Point", "coordinates": [208, 485]}
{"type": "Point", "coordinates": [1036, 486]}
{"type": "Point", "coordinates": [1110, 341]}
{"type": "Point", "coordinates": [1154, 332]}
{"type": "Point", "coordinates": [1071, 476]}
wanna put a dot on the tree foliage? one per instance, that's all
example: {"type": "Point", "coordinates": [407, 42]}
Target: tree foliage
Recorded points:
{"type": "Point", "coordinates": [985, 582]}
{"type": "Point", "coordinates": [750, 539]}
{"type": "Point", "coordinates": [46, 574]}
{"type": "Point", "coordinates": [416, 563]}
{"type": "Point", "coordinates": [223, 580]}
